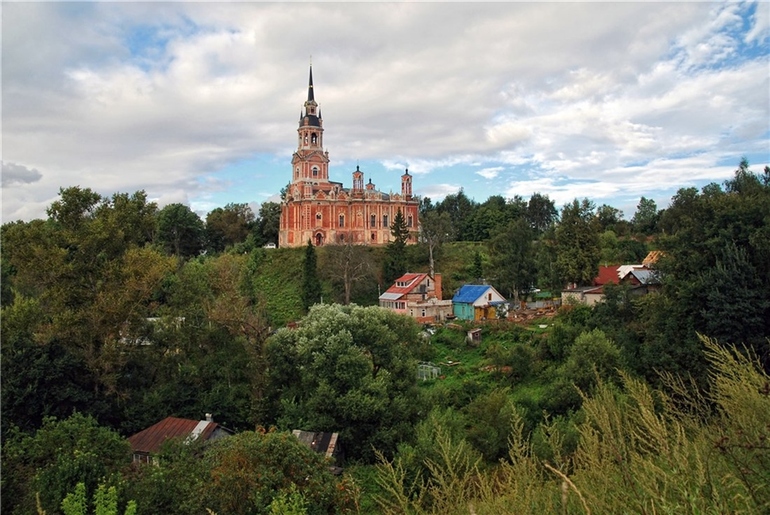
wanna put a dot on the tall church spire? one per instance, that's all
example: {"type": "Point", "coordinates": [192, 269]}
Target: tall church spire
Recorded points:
{"type": "Point", "coordinates": [310, 86]}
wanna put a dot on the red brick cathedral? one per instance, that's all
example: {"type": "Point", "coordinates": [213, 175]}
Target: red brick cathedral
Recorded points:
{"type": "Point", "coordinates": [324, 212]}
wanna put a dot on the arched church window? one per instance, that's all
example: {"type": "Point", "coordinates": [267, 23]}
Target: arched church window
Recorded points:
{"type": "Point", "coordinates": [342, 220]}
{"type": "Point", "coordinates": [305, 139]}
{"type": "Point", "coordinates": [314, 139]}
{"type": "Point", "coordinates": [315, 171]}
{"type": "Point", "coordinates": [409, 221]}
{"type": "Point", "coordinates": [373, 221]}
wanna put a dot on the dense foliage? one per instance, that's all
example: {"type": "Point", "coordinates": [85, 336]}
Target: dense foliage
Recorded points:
{"type": "Point", "coordinates": [117, 314]}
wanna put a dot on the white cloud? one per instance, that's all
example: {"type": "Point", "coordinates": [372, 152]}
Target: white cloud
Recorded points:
{"type": "Point", "coordinates": [169, 97]}
{"type": "Point", "coordinates": [490, 173]}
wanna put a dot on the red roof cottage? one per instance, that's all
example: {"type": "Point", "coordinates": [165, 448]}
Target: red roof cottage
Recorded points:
{"type": "Point", "coordinates": [418, 296]}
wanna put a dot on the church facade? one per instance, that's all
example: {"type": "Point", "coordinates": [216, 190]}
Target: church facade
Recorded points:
{"type": "Point", "coordinates": [326, 213]}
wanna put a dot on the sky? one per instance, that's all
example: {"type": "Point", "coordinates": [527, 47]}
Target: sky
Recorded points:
{"type": "Point", "coordinates": [198, 103]}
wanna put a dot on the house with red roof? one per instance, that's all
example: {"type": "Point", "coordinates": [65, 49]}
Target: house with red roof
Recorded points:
{"type": "Point", "coordinates": [147, 442]}
{"type": "Point", "coordinates": [641, 278]}
{"type": "Point", "coordinates": [417, 295]}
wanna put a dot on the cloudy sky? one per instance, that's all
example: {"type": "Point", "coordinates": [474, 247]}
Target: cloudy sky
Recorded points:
{"type": "Point", "coordinates": [198, 102]}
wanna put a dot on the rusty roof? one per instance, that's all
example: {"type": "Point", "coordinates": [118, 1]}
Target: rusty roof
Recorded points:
{"type": "Point", "coordinates": [150, 440]}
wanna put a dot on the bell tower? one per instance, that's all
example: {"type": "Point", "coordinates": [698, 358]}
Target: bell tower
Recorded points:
{"type": "Point", "coordinates": [310, 162]}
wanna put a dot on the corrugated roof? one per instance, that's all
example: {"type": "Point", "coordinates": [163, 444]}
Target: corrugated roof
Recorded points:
{"type": "Point", "coordinates": [391, 296]}
{"type": "Point", "coordinates": [150, 440]}
{"type": "Point", "coordinates": [645, 276]}
{"type": "Point", "coordinates": [469, 293]}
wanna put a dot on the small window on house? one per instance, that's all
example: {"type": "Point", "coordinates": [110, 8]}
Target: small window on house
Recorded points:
{"type": "Point", "coordinates": [423, 312]}
{"type": "Point", "coordinates": [342, 220]}
{"type": "Point", "coordinates": [318, 216]}
{"type": "Point", "coordinates": [489, 296]}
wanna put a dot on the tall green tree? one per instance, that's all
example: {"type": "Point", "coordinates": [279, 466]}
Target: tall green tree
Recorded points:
{"type": "Point", "coordinates": [268, 223]}
{"type": "Point", "coordinates": [513, 260]}
{"type": "Point", "coordinates": [541, 212]}
{"type": "Point", "coordinates": [577, 243]}
{"type": "Point", "coordinates": [460, 209]}
{"type": "Point", "coordinates": [180, 231]}
{"type": "Point", "coordinates": [394, 265]}
{"type": "Point", "coordinates": [311, 284]}
{"type": "Point", "coordinates": [645, 219]}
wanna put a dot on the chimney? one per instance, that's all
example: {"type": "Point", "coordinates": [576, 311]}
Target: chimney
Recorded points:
{"type": "Point", "coordinates": [437, 285]}
{"type": "Point", "coordinates": [209, 417]}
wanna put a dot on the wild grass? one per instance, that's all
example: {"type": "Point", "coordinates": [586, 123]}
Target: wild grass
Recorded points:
{"type": "Point", "coordinates": [675, 450]}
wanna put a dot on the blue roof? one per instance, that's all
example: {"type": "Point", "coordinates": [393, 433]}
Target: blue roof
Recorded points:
{"type": "Point", "coordinates": [470, 293]}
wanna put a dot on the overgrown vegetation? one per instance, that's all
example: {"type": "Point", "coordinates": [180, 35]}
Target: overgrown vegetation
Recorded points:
{"type": "Point", "coordinates": [112, 322]}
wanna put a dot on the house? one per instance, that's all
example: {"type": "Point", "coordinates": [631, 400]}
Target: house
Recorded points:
{"type": "Point", "coordinates": [418, 296]}
{"type": "Point", "coordinates": [147, 442]}
{"type": "Point", "coordinates": [476, 302]}
{"type": "Point", "coordinates": [323, 443]}
{"type": "Point", "coordinates": [640, 278]}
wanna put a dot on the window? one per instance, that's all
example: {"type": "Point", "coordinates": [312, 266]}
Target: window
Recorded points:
{"type": "Point", "coordinates": [296, 172]}
{"type": "Point", "coordinates": [318, 216]}
{"type": "Point", "coordinates": [409, 221]}
{"type": "Point", "coordinates": [423, 311]}
{"type": "Point", "coordinates": [385, 220]}
{"type": "Point", "coordinates": [342, 220]}
{"type": "Point", "coordinates": [313, 139]}
{"type": "Point", "coordinates": [489, 296]}
{"type": "Point", "coordinates": [374, 237]}
{"type": "Point", "coordinates": [373, 221]}
{"type": "Point", "coordinates": [315, 171]}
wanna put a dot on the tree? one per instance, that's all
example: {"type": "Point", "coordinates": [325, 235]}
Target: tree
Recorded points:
{"type": "Point", "coordinates": [268, 222]}
{"type": "Point", "coordinates": [577, 243]}
{"type": "Point", "coordinates": [229, 225]}
{"type": "Point", "coordinates": [180, 231]}
{"type": "Point", "coordinates": [541, 212]}
{"type": "Point", "coordinates": [311, 284]}
{"type": "Point", "coordinates": [513, 258]}
{"type": "Point", "coordinates": [435, 229]}
{"type": "Point", "coordinates": [349, 265]}
{"type": "Point", "coordinates": [609, 218]}
{"type": "Point", "coordinates": [394, 265]}
{"type": "Point", "coordinates": [460, 209]}
{"type": "Point", "coordinates": [347, 370]}
{"type": "Point", "coordinates": [61, 454]}
{"type": "Point", "coordinates": [250, 470]}
{"type": "Point", "coordinates": [645, 220]}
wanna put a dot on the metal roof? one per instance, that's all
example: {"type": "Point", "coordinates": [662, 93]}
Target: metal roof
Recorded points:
{"type": "Point", "coordinates": [470, 293]}
{"type": "Point", "coordinates": [391, 296]}
{"type": "Point", "coordinates": [150, 440]}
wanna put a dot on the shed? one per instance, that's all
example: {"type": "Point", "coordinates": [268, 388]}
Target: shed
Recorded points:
{"type": "Point", "coordinates": [147, 442]}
